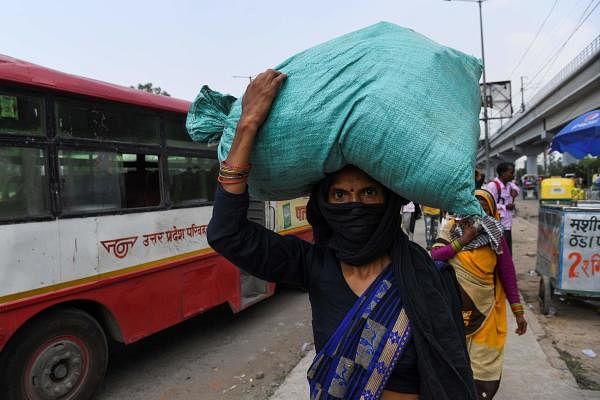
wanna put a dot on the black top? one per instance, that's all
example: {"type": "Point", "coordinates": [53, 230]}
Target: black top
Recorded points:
{"type": "Point", "coordinates": [289, 259]}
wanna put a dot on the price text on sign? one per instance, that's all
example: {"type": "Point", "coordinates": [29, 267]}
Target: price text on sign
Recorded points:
{"type": "Point", "coordinates": [581, 251]}
{"type": "Point", "coordinates": [588, 267]}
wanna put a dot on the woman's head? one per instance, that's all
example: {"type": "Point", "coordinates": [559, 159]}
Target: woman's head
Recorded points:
{"type": "Point", "coordinates": [352, 185]}
{"type": "Point", "coordinates": [487, 202]}
{"type": "Point", "coordinates": [354, 215]}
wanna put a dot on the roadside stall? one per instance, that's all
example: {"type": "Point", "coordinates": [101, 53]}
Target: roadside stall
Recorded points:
{"type": "Point", "coordinates": [568, 250]}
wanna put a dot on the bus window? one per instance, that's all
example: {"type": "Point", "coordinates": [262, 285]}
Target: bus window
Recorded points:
{"type": "Point", "coordinates": [192, 180]}
{"type": "Point", "coordinates": [23, 183]}
{"type": "Point", "coordinates": [87, 120]}
{"type": "Point", "coordinates": [21, 115]}
{"type": "Point", "coordinates": [101, 181]}
{"type": "Point", "coordinates": [177, 135]}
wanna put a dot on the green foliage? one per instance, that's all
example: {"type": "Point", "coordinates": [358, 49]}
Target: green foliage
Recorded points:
{"type": "Point", "coordinates": [148, 87]}
{"type": "Point", "coordinates": [540, 170]}
{"type": "Point", "coordinates": [555, 167]}
{"type": "Point", "coordinates": [584, 169]}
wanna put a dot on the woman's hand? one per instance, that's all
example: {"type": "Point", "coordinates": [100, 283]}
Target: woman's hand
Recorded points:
{"type": "Point", "coordinates": [259, 96]}
{"type": "Point", "coordinates": [521, 324]}
{"type": "Point", "coordinates": [469, 233]}
{"type": "Point", "coordinates": [256, 104]}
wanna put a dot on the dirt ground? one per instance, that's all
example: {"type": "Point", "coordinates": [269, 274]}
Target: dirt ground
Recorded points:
{"type": "Point", "coordinates": [572, 325]}
{"type": "Point", "coordinates": [217, 355]}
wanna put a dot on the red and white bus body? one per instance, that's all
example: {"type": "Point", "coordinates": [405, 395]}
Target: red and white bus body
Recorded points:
{"type": "Point", "coordinates": [136, 263]}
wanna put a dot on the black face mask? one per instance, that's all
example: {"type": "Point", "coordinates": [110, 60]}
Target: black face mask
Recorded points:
{"type": "Point", "coordinates": [352, 226]}
{"type": "Point", "coordinates": [358, 233]}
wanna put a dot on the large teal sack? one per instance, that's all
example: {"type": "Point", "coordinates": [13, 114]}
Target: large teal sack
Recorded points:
{"type": "Point", "coordinates": [399, 106]}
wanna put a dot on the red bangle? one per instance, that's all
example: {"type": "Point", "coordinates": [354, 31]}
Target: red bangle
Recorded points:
{"type": "Point", "coordinates": [241, 167]}
{"type": "Point", "coordinates": [225, 181]}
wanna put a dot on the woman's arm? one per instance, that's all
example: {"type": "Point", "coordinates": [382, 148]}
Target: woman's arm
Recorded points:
{"type": "Point", "coordinates": [444, 253]}
{"type": "Point", "coordinates": [248, 245]}
{"type": "Point", "coordinates": [253, 248]}
{"type": "Point", "coordinates": [256, 104]}
{"type": "Point", "coordinates": [508, 278]}
{"type": "Point", "coordinates": [507, 274]}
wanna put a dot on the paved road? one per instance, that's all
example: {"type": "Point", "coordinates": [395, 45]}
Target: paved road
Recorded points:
{"type": "Point", "coordinates": [216, 355]}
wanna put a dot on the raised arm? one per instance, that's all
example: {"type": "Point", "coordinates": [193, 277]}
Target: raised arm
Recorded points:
{"type": "Point", "coordinates": [256, 104]}
{"type": "Point", "coordinates": [444, 252]}
{"type": "Point", "coordinates": [248, 245]}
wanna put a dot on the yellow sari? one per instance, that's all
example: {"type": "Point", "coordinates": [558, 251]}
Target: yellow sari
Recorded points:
{"type": "Point", "coordinates": [483, 309]}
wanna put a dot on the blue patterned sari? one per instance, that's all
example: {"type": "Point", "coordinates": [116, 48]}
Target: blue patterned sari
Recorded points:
{"type": "Point", "coordinates": [356, 362]}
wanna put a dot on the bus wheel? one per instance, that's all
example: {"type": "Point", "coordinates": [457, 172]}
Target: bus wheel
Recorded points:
{"type": "Point", "coordinates": [62, 355]}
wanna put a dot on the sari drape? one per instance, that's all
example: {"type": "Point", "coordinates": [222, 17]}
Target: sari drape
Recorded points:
{"type": "Point", "coordinates": [483, 309]}
{"type": "Point", "coordinates": [358, 359]}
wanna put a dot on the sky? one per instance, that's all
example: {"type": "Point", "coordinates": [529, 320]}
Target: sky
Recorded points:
{"type": "Point", "coordinates": [182, 44]}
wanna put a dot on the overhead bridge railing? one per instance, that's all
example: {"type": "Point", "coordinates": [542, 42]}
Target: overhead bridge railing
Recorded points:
{"type": "Point", "coordinates": [572, 68]}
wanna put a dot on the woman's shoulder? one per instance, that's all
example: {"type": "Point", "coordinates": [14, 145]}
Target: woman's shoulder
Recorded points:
{"type": "Point", "coordinates": [423, 261]}
{"type": "Point", "coordinates": [416, 249]}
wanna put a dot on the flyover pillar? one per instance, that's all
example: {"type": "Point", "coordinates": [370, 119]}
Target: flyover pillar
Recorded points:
{"type": "Point", "coordinates": [531, 164]}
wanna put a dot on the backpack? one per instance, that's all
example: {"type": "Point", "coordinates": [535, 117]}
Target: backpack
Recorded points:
{"type": "Point", "coordinates": [498, 191]}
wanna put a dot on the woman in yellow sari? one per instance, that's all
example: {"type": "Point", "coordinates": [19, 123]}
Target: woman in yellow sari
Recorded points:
{"type": "Point", "coordinates": [483, 264]}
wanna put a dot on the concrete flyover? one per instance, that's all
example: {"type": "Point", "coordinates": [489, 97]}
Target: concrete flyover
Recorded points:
{"type": "Point", "coordinates": [572, 92]}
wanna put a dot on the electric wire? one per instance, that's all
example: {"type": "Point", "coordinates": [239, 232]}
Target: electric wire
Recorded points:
{"type": "Point", "coordinates": [584, 11]}
{"type": "Point", "coordinates": [550, 62]}
{"type": "Point", "coordinates": [534, 39]}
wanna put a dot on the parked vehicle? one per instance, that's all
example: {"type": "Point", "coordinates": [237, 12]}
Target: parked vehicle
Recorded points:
{"type": "Point", "coordinates": [104, 206]}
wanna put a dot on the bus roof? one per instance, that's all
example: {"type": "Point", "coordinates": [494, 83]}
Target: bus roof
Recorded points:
{"type": "Point", "coordinates": [14, 70]}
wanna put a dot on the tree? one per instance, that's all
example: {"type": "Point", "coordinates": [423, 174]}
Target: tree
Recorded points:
{"type": "Point", "coordinates": [584, 169]}
{"type": "Point", "coordinates": [148, 87]}
{"type": "Point", "coordinates": [555, 167]}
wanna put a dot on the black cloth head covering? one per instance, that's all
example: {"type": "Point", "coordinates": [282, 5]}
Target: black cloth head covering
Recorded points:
{"type": "Point", "coordinates": [429, 294]}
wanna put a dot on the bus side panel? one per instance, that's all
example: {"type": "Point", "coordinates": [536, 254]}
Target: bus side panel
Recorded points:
{"type": "Point", "coordinates": [169, 294]}
{"type": "Point", "coordinates": [142, 302]}
{"type": "Point", "coordinates": [100, 245]}
{"type": "Point", "coordinates": [215, 281]}
{"type": "Point", "coordinates": [306, 235]}
{"type": "Point", "coordinates": [29, 256]}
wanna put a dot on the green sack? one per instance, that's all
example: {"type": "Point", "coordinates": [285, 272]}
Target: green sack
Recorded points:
{"type": "Point", "coordinates": [386, 99]}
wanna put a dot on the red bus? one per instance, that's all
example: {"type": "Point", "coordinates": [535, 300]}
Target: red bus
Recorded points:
{"type": "Point", "coordinates": [104, 203]}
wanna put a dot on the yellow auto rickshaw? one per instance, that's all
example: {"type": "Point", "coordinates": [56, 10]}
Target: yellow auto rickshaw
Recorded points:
{"type": "Point", "coordinates": [557, 190]}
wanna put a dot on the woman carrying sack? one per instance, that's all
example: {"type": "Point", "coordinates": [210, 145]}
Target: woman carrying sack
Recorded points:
{"type": "Point", "coordinates": [386, 321]}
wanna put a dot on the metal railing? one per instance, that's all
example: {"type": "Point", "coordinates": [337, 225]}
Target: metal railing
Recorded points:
{"type": "Point", "coordinates": [567, 71]}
